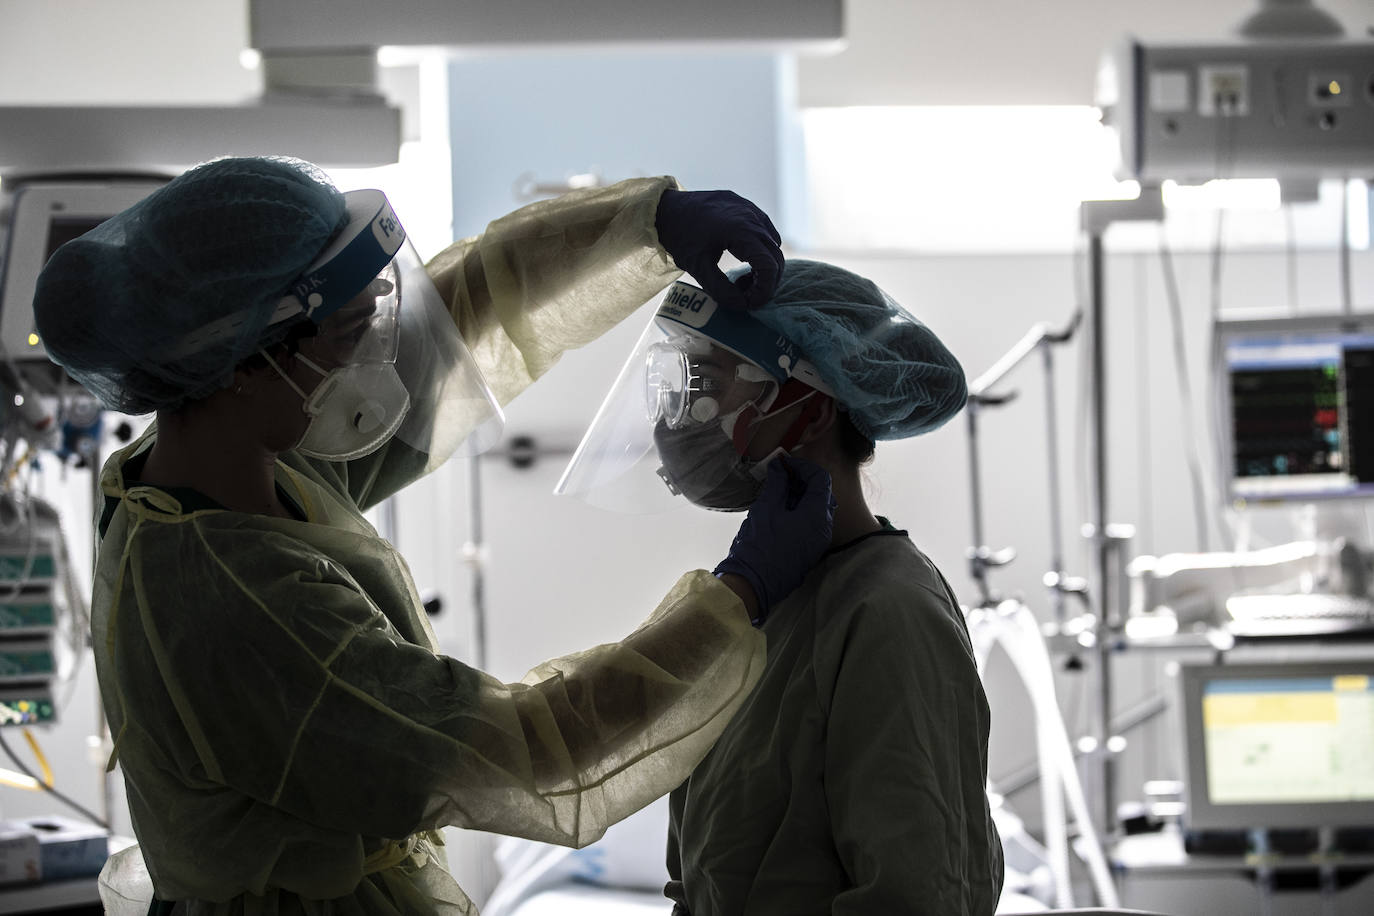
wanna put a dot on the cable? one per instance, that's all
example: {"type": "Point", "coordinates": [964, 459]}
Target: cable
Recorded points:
{"type": "Point", "coordinates": [1346, 303]}
{"type": "Point", "coordinates": [19, 781]}
{"type": "Point", "coordinates": [40, 757]}
{"type": "Point", "coordinates": [1080, 441]}
{"type": "Point", "coordinates": [1225, 161]}
{"type": "Point", "coordinates": [1145, 540]}
{"type": "Point", "coordinates": [1291, 248]}
{"type": "Point", "coordinates": [1185, 392]}
{"type": "Point", "coordinates": [5, 745]}
{"type": "Point", "coordinates": [18, 466]}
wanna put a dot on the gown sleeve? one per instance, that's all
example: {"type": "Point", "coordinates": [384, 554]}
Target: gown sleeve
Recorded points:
{"type": "Point", "coordinates": [553, 276]}
{"type": "Point", "coordinates": [323, 711]}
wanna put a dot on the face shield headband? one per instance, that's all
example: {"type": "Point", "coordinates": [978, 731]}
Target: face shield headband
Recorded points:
{"type": "Point", "coordinates": [356, 256]}
{"type": "Point", "coordinates": [352, 294]}
{"type": "Point", "coordinates": [391, 361]}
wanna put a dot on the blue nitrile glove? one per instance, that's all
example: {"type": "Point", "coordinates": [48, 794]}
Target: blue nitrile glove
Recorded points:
{"type": "Point", "coordinates": [696, 227]}
{"type": "Point", "coordinates": [786, 532]}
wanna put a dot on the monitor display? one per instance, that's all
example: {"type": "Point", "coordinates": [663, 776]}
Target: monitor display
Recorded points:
{"type": "Point", "coordinates": [62, 229]}
{"type": "Point", "coordinates": [1279, 745]}
{"type": "Point", "coordinates": [44, 216]}
{"type": "Point", "coordinates": [1297, 407]}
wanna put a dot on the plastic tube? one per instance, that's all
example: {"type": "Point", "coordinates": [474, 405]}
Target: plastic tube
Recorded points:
{"type": "Point", "coordinates": [1055, 819]}
{"type": "Point", "coordinates": [1040, 687]}
{"type": "Point", "coordinates": [989, 627]}
{"type": "Point", "coordinates": [1015, 628]}
{"type": "Point", "coordinates": [1026, 647]}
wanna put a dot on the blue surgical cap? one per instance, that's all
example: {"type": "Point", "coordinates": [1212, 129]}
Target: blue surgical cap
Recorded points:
{"type": "Point", "coordinates": [887, 369]}
{"type": "Point", "coordinates": [223, 239]}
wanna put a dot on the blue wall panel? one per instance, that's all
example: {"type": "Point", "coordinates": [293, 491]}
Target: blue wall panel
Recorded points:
{"type": "Point", "coordinates": [713, 120]}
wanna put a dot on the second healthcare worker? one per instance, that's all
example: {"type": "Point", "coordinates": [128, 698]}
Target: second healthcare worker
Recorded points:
{"type": "Point", "coordinates": [852, 779]}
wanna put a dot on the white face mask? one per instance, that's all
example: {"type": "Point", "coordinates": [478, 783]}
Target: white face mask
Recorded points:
{"type": "Point", "coordinates": [353, 410]}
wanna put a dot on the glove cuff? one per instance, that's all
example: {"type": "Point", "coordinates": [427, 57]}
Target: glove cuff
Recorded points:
{"type": "Point", "coordinates": [733, 566]}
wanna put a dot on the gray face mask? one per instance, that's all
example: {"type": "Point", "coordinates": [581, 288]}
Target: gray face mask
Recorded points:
{"type": "Point", "coordinates": [700, 463]}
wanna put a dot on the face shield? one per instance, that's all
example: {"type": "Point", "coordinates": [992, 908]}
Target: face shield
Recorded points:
{"type": "Point", "coordinates": [391, 362]}
{"type": "Point", "coordinates": [681, 419]}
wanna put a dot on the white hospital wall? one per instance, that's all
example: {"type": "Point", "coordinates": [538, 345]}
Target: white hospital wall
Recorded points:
{"type": "Point", "coordinates": [561, 576]}
{"type": "Point", "coordinates": [940, 52]}
{"type": "Point", "coordinates": [144, 51]}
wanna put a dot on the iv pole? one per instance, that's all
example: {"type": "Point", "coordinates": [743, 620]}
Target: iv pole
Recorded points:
{"type": "Point", "coordinates": [1096, 217]}
{"type": "Point", "coordinates": [1011, 624]}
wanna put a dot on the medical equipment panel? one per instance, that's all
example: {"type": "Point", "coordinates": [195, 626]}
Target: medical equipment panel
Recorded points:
{"type": "Point", "coordinates": [1279, 745]}
{"type": "Point", "coordinates": [1295, 401]}
{"type": "Point", "coordinates": [25, 660]}
{"type": "Point", "coordinates": [43, 216]}
{"type": "Point", "coordinates": [1191, 111]}
{"type": "Point", "coordinates": [27, 704]}
{"type": "Point", "coordinates": [25, 614]}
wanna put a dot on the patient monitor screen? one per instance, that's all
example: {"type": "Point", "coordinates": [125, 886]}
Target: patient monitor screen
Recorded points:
{"type": "Point", "coordinates": [62, 230]}
{"type": "Point", "coordinates": [1289, 740]}
{"type": "Point", "coordinates": [1300, 408]}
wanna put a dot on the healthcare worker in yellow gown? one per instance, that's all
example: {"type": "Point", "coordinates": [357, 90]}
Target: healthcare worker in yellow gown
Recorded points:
{"type": "Point", "coordinates": [290, 737]}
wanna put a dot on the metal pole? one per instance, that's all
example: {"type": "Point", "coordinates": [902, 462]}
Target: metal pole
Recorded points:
{"type": "Point", "coordinates": [1103, 729]}
{"type": "Point", "coordinates": [1097, 216]}
{"type": "Point", "coordinates": [977, 569]}
{"type": "Point", "coordinates": [1056, 529]}
{"type": "Point", "coordinates": [477, 564]}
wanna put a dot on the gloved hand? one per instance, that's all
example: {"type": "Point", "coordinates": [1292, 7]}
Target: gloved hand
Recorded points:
{"type": "Point", "coordinates": [786, 532]}
{"type": "Point", "coordinates": [696, 227]}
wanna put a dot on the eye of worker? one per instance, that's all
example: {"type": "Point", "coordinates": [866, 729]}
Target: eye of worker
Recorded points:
{"type": "Point", "coordinates": [713, 382]}
{"type": "Point", "coordinates": [363, 329]}
{"type": "Point", "coordinates": [718, 374]}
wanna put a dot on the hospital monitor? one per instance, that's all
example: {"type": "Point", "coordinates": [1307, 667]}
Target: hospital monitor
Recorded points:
{"type": "Point", "coordinates": [44, 215]}
{"type": "Point", "coordinates": [1279, 745]}
{"type": "Point", "coordinates": [1296, 407]}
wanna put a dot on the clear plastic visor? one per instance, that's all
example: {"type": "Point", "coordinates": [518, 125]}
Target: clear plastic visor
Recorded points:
{"type": "Point", "coordinates": [453, 411]}
{"type": "Point", "coordinates": [674, 380]}
{"type": "Point", "coordinates": [366, 329]}
{"type": "Point", "coordinates": [689, 380]}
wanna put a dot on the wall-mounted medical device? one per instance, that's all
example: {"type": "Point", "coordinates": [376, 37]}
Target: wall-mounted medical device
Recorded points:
{"type": "Point", "coordinates": [41, 217]}
{"type": "Point", "coordinates": [44, 622]}
{"type": "Point", "coordinates": [1295, 402]}
{"type": "Point", "coordinates": [1281, 108]}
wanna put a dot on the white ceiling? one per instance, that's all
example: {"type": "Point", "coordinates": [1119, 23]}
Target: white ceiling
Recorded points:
{"type": "Point", "coordinates": [899, 51]}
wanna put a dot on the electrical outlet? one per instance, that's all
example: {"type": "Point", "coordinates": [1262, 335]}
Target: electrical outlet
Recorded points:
{"type": "Point", "coordinates": [1295, 110]}
{"type": "Point", "coordinates": [1223, 91]}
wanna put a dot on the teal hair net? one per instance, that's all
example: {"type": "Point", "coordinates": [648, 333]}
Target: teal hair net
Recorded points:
{"type": "Point", "coordinates": [888, 370]}
{"type": "Point", "coordinates": [226, 237]}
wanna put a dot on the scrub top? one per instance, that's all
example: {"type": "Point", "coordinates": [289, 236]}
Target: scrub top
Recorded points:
{"type": "Point", "coordinates": [852, 781]}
